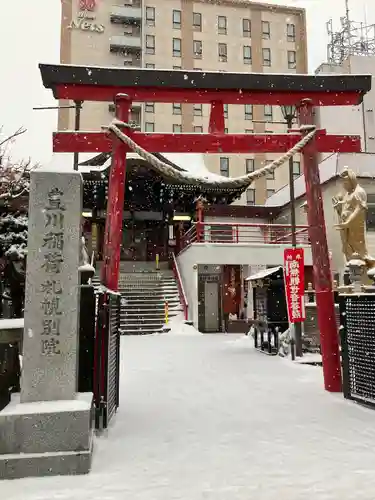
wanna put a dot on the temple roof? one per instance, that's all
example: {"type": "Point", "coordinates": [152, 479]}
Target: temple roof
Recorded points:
{"type": "Point", "coordinates": [190, 163]}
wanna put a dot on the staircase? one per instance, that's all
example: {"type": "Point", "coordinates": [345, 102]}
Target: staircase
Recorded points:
{"type": "Point", "coordinates": [144, 292]}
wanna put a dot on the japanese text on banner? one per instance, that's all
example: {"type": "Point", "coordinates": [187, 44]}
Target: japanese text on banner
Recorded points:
{"type": "Point", "coordinates": [294, 283]}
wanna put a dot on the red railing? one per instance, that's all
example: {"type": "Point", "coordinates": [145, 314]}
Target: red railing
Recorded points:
{"type": "Point", "coordinates": [221, 232]}
{"type": "Point", "coordinates": [181, 290]}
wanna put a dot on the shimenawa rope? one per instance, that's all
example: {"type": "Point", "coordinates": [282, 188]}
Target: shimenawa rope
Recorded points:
{"type": "Point", "coordinates": [234, 183]}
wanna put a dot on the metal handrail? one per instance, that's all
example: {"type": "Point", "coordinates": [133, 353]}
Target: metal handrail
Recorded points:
{"type": "Point", "coordinates": [181, 286]}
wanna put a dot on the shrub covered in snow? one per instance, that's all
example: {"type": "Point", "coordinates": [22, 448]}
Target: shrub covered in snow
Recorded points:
{"type": "Point", "coordinates": [13, 235]}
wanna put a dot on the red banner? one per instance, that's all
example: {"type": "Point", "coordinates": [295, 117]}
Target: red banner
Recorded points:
{"type": "Point", "coordinates": [294, 279]}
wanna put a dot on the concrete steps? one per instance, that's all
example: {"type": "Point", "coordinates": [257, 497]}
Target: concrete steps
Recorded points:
{"type": "Point", "coordinates": [144, 294]}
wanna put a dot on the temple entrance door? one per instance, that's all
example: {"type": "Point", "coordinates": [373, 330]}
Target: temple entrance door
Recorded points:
{"type": "Point", "coordinates": [134, 241]}
{"type": "Point", "coordinates": [157, 240]}
{"type": "Point", "coordinates": [142, 240]}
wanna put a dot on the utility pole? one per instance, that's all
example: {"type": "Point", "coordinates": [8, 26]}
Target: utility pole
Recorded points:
{"type": "Point", "coordinates": [290, 114]}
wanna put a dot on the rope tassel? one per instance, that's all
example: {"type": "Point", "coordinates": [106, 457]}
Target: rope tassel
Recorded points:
{"type": "Point", "coordinates": [235, 183]}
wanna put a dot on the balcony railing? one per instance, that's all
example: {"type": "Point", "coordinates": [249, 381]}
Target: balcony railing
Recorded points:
{"type": "Point", "coordinates": [125, 42]}
{"type": "Point", "coordinates": [219, 232]}
{"type": "Point", "coordinates": [125, 13]}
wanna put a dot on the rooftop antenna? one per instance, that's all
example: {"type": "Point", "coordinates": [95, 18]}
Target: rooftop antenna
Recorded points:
{"type": "Point", "coordinates": [352, 39]}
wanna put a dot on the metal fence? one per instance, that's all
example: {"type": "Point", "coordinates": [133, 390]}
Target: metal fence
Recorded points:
{"type": "Point", "coordinates": [99, 354]}
{"type": "Point", "coordinates": [106, 357]}
{"type": "Point", "coordinates": [9, 372]}
{"type": "Point", "coordinates": [357, 332]}
{"type": "Point", "coordinates": [266, 338]}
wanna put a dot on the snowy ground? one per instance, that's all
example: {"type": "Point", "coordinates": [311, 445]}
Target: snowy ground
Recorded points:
{"type": "Point", "coordinates": [207, 417]}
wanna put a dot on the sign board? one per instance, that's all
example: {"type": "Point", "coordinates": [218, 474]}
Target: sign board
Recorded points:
{"type": "Point", "coordinates": [87, 5]}
{"type": "Point", "coordinates": [294, 279]}
{"type": "Point", "coordinates": [85, 20]}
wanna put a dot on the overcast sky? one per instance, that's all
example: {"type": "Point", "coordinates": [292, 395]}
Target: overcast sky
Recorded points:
{"type": "Point", "coordinates": [30, 34]}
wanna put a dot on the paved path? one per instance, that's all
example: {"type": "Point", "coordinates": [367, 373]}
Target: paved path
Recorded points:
{"type": "Point", "coordinates": [207, 417]}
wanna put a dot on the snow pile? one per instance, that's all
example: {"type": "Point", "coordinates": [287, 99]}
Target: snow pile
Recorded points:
{"type": "Point", "coordinates": [178, 326]}
{"type": "Point", "coordinates": [242, 342]}
{"type": "Point", "coordinates": [12, 323]}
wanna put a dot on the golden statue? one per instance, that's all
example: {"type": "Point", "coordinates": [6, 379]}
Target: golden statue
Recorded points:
{"type": "Point", "coordinates": [351, 209]}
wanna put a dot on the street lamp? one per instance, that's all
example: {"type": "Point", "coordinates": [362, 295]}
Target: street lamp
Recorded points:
{"type": "Point", "coordinates": [289, 114]}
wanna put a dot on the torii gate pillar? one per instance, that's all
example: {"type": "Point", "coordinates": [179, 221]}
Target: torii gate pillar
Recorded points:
{"type": "Point", "coordinates": [115, 205]}
{"type": "Point", "coordinates": [321, 261]}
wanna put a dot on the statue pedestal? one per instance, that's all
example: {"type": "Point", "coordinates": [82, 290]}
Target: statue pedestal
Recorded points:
{"type": "Point", "coordinates": [357, 272]}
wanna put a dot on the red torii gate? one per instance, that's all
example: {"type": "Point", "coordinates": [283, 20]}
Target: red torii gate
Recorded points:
{"type": "Point", "coordinates": [125, 86]}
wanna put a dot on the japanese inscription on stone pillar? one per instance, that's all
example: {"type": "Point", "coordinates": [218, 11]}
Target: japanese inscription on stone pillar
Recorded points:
{"type": "Point", "coordinates": [52, 287]}
{"type": "Point", "coordinates": [53, 248]}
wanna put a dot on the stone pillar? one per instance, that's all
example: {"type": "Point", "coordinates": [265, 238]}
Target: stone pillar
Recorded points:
{"type": "Point", "coordinates": [48, 429]}
{"type": "Point", "coordinates": [51, 302]}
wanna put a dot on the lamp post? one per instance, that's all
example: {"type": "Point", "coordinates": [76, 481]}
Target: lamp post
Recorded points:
{"type": "Point", "coordinates": [289, 114]}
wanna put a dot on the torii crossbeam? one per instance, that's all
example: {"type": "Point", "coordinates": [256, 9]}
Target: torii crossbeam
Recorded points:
{"type": "Point", "coordinates": [82, 83]}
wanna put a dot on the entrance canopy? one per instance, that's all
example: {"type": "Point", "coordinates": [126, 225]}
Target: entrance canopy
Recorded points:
{"type": "Point", "coordinates": [265, 273]}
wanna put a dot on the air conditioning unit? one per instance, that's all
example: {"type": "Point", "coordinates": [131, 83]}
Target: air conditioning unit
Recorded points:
{"type": "Point", "coordinates": [128, 2]}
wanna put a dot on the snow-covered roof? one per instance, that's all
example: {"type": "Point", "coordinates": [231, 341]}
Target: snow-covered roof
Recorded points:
{"type": "Point", "coordinates": [192, 163]}
{"type": "Point", "coordinates": [363, 164]}
{"type": "Point", "coordinates": [264, 273]}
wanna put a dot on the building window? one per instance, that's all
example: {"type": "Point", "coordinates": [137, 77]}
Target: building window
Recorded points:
{"type": "Point", "coordinates": [291, 32]}
{"type": "Point", "coordinates": [176, 47]}
{"type": "Point", "coordinates": [150, 65]}
{"type": "Point", "coordinates": [176, 19]}
{"type": "Point", "coordinates": [250, 166]}
{"type": "Point", "coordinates": [248, 111]}
{"type": "Point", "coordinates": [266, 30]}
{"type": "Point", "coordinates": [225, 130]}
{"type": "Point", "coordinates": [150, 16]}
{"type": "Point", "coordinates": [370, 222]}
{"type": "Point", "coordinates": [223, 52]}
{"type": "Point", "coordinates": [198, 49]}
{"type": "Point", "coordinates": [224, 167]}
{"type": "Point", "coordinates": [177, 67]}
{"type": "Point", "coordinates": [177, 108]}
{"type": "Point", "coordinates": [266, 57]}
{"type": "Point", "coordinates": [198, 109]}
{"type": "Point", "coordinates": [198, 129]}
{"type": "Point", "coordinates": [226, 109]}
{"type": "Point", "coordinates": [296, 169]}
{"type": "Point", "coordinates": [177, 129]}
{"type": "Point", "coordinates": [246, 28]}
{"type": "Point", "coordinates": [268, 113]}
{"type": "Point", "coordinates": [249, 131]}
{"type": "Point", "coordinates": [270, 192]}
{"type": "Point", "coordinates": [149, 127]}
{"type": "Point", "coordinates": [150, 107]}
{"type": "Point", "coordinates": [292, 59]}
{"type": "Point", "coordinates": [222, 25]}
{"type": "Point", "coordinates": [247, 54]}
{"type": "Point", "coordinates": [150, 44]}
{"type": "Point", "coordinates": [197, 21]}
{"type": "Point", "coordinates": [250, 196]}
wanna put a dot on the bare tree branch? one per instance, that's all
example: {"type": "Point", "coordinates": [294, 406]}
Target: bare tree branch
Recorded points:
{"type": "Point", "coordinates": [11, 137]}
{"type": "Point", "coordinates": [14, 176]}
